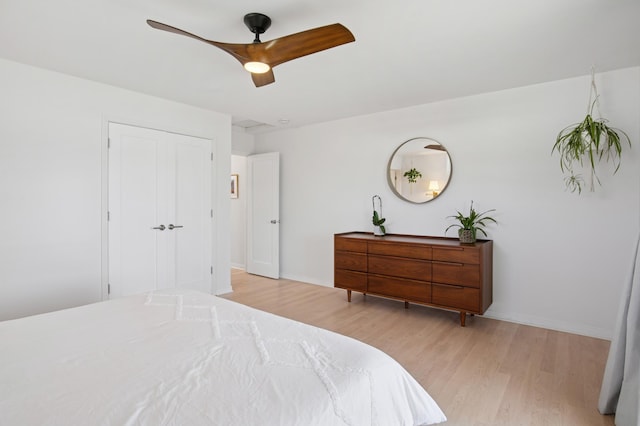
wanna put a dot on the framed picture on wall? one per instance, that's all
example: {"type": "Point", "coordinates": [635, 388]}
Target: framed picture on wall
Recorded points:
{"type": "Point", "coordinates": [234, 186]}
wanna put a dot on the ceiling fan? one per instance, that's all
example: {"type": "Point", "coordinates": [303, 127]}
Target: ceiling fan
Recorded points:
{"type": "Point", "coordinates": [259, 58]}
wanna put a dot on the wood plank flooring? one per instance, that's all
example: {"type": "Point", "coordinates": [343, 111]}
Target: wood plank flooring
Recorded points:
{"type": "Point", "coordinates": [488, 373]}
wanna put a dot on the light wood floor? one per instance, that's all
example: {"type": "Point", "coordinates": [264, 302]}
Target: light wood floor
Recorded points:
{"type": "Point", "coordinates": [487, 373]}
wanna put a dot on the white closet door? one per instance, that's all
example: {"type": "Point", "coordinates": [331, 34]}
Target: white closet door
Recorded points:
{"type": "Point", "coordinates": [263, 214]}
{"type": "Point", "coordinates": [159, 211]}
{"type": "Point", "coordinates": [190, 248]}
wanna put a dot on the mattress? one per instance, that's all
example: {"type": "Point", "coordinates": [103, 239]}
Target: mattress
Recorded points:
{"type": "Point", "coordinates": [178, 357]}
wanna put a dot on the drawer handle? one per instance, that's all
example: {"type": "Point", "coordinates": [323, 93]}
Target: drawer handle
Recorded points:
{"type": "Point", "coordinates": [458, 287]}
{"type": "Point", "coordinates": [449, 248]}
{"type": "Point", "coordinates": [409, 259]}
{"type": "Point", "coordinates": [448, 263]}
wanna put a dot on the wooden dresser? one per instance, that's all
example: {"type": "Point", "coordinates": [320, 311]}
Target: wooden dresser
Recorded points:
{"type": "Point", "coordinates": [433, 271]}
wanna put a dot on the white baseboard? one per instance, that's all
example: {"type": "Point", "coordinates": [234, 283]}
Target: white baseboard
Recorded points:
{"type": "Point", "coordinates": [495, 313]}
{"type": "Point", "coordinates": [550, 324]}
{"type": "Point", "coordinates": [307, 280]}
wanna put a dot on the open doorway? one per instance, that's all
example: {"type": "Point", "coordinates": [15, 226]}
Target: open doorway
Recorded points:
{"type": "Point", "coordinates": [255, 222]}
{"type": "Point", "coordinates": [239, 212]}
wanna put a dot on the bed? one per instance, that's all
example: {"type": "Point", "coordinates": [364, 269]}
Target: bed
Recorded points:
{"type": "Point", "coordinates": [178, 357]}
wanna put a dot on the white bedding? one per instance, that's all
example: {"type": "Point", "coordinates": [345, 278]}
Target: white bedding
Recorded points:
{"type": "Point", "coordinates": [187, 358]}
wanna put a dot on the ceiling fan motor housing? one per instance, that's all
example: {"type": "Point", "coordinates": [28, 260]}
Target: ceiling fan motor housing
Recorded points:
{"type": "Point", "coordinates": [257, 22]}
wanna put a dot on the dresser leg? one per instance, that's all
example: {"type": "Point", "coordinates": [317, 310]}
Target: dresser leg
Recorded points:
{"type": "Point", "coordinates": [349, 296]}
{"type": "Point", "coordinates": [406, 304]}
{"type": "Point", "coordinates": [463, 317]}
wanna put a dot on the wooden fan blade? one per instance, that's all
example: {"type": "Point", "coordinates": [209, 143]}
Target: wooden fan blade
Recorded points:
{"type": "Point", "coordinates": [169, 28]}
{"type": "Point", "coordinates": [435, 147]}
{"type": "Point", "coordinates": [283, 49]}
{"type": "Point", "coordinates": [263, 79]}
{"type": "Point", "coordinates": [238, 51]}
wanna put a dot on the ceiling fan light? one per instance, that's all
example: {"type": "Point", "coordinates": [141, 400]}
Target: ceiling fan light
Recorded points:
{"type": "Point", "coordinates": [257, 67]}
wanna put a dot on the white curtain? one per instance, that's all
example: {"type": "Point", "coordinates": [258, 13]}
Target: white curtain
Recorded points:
{"type": "Point", "coordinates": [620, 393]}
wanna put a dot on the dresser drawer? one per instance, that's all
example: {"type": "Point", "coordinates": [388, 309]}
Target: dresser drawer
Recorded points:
{"type": "Point", "coordinates": [351, 261]}
{"type": "Point", "coordinates": [413, 251]}
{"type": "Point", "coordinates": [350, 280]}
{"type": "Point", "coordinates": [456, 273]}
{"type": "Point", "coordinates": [350, 244]}
{"type": "Point", "coordinates": [399, 267]}
{"type": "Point", "coordinates": [457, 254]}
{"type": "Point", "coordinates": [400, 288]}
{"type": "Point", "coordinates": [458, 297]}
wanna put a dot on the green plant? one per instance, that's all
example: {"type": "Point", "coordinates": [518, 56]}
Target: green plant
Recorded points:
{"type": "Point", "coordinates": [473, 222]}
{"type": "Point", "coordinates": [377, 220]}
{"type": "Point", "coordinates": [412, 175]}
{"type": "Point", "coordinates": [589, 141]}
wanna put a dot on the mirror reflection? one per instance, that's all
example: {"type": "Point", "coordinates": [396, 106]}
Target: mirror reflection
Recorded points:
{"type": "Point", "coordinates": [419, 170]}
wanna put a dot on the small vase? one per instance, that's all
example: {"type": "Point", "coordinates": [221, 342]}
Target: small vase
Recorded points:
{"type": "Point", "coordinates": [378, 232]}
{"type": "Point", "coordinates": [466, 236]}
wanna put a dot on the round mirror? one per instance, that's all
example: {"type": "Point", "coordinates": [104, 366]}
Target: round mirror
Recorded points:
{"type": "Point", "coordinates": [419, 170]}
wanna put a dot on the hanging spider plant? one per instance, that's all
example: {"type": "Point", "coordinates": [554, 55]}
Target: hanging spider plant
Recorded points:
{"type": "Point", "coordinates": [588, 142]}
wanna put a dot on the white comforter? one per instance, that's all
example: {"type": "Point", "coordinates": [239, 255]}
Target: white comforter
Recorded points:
{"type": "Point", "coordinates": [187, 358]}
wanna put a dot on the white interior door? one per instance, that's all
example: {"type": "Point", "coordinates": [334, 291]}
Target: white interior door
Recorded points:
{"type": "Point", "coordinates": [159, 211]}
{"type": "Point", "coordinates": [190, 186]}
{"type": "Point", "coordinates": [263, 214]}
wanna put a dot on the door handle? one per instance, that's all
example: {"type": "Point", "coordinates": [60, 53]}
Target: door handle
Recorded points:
{"type": "Point", "coordinates": [274, 221]}
{"type": "Point", "coordinates": [172, 226]}
{"type": "Point", "coordinates": [161, 227]}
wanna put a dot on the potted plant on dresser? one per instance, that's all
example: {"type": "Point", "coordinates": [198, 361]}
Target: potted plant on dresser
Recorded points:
{"type": "Point", "coordinates": [377, 219]}
{"type": "Point", "coordinates": [469, 225]}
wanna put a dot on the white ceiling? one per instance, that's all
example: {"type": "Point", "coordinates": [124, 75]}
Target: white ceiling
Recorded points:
{"type": "Point", "coordinates": [407, 52]}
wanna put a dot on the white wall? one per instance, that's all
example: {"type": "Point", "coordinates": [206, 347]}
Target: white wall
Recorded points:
{"type": "Point", "coordinates": [242, 143]}
{"type": "Point", "coordinates": [559, 258]}
{"type": "Point", "coordinates": [52, 183]}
